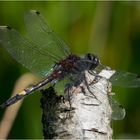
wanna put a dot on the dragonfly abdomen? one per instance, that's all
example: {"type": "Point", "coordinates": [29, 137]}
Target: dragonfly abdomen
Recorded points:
{"type": "Point", "coordinates": [25, 92]}
{"type": "Point", "coordinates": [14, 99]}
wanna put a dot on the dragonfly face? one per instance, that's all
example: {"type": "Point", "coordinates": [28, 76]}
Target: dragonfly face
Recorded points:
{"type": "Point", "coordinates": [94, 61]}
{"type": "Point", "coordinates": [46, 55]}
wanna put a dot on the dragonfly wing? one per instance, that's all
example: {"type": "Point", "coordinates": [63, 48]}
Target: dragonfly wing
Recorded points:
{"type": "Point", "coordinates": [63, 85]}
{"type": "Point", "coordinates": [101, 67]}
{"type": "Point", "coordinates": [121, 78]}
{"type": "Point", "coordinates": [25, 51]}
{"type": "Point", "coordinates": [45, 38]}
{"type": "Point", "coordinates": [125, 79]}
{"type": "Point", "coordinates": [118, 111]}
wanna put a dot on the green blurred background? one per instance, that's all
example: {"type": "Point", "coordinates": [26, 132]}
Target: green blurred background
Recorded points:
{"type": "Point", "coordinates": [109, 29]}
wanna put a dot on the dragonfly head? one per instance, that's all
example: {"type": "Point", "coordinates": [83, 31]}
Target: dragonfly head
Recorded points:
{"type": "Point", "coordinates": [93, 61]}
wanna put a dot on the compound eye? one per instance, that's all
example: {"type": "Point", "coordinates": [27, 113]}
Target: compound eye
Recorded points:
{"type": "Point", "coordinates": [89, 56]}
{"type": "Point", "coordinates": [96, 60]}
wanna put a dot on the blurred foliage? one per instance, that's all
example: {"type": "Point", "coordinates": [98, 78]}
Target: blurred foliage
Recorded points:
{"type": "Point", "coordinates": [109, 29]}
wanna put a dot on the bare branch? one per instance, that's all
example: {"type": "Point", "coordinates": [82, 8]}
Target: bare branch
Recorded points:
{"type": "Point", "coordinates": [85, 115]}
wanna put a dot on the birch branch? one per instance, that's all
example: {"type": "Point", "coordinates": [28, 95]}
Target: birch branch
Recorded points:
{"type": "Point", "coordinates": [87, 115]}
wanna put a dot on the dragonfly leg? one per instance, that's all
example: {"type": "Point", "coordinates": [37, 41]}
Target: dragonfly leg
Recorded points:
{"type": "Point", "coordinates": [88, 88]}
{"type": "Point", "coordinates": [68, 94]}
{"type": "Point", "coordinates": [84, 91]}
{"type": "Point", "coordinates": [97, 77]}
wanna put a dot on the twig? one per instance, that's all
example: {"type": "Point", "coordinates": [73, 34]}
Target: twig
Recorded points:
{"type": "Point", "coordinates": [86, 117]}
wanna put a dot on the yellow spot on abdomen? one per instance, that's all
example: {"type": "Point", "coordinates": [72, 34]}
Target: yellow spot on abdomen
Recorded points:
{"type": "Point", "coordinates": [22, 93]}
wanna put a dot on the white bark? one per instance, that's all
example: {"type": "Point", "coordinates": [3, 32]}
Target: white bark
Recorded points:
{"type": "Point", "coordinates": [91, 116]}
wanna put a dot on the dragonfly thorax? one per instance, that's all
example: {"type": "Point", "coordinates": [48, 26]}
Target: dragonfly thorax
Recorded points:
{"type": "Point", "coordinates": [70, 62]}
{"type": "Point", "coordinates": [75, 64]}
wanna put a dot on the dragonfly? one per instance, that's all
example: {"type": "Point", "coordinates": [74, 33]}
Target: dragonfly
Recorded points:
{"type": "Point", "coordinates": [48, 56]}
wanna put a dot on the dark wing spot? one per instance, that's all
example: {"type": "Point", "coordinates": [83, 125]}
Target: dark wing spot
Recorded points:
{"type": "Point", "coordinates": [121, 106]}
{"type": "Point", "coordinates": [8, 27]}
{"type": "Point", "coordinates": [38, 13]}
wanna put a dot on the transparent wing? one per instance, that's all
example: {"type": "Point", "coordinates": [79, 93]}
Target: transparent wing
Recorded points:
{"type": "Point", "coordinates": [125, 79]}
{"type": "Point", "coordinates": [45, 38]}
{"type": "Point", "coordinates": [121, 78]}
{"type": "Point", "coordinates": [25, 51]}
{"type": "Point", "coordinates": [118, 110]}
{"type": "Point", "coordinates": [39, 53]}
{"type": "Point", "coordinates": [60, 86]}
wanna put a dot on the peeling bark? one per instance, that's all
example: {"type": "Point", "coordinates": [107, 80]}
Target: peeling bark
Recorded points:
{"type": "Point", "coordinates": [85, 115]}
